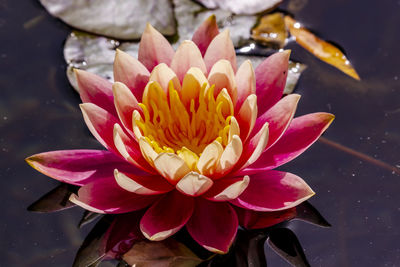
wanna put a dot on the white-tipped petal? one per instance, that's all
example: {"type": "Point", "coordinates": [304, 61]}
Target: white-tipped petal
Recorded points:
{"type": "Point", "coordinates": [209, 158]}
{"type": "Point", "coordinates": [230, 156]}
{"type": "Point", "coordinates": [233, 191]}
{"type": "Point", "coordinates": [247, 115]}
{"type": "Point", "coordinates": [147, 151]}
{"type": "Point", "coordinates": [171, 167]}
{"type": "Point", "coordinates": [262, 137]}
{"type": "Point", "coordinates": [194, 184]}
{"type": "Point", "coordinates": [131, 185]}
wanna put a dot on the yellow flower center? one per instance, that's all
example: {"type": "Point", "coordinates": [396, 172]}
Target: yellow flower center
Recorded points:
{"type": "Point", "coordinates": [170, 126]}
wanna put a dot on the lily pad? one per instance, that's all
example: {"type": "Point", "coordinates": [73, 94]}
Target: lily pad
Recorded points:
{"type": "Point", "coordinates": [190, 15]}
{"type": "Point", "coordinates": [121, 19]}
{"type": "Point", "coordinates": [241, 6]}
{"type": "Point", "coordinates": [55, 200]}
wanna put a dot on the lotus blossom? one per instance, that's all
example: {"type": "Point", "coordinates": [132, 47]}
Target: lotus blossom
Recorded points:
{"type": "Point", "coordinates": [199, 149]}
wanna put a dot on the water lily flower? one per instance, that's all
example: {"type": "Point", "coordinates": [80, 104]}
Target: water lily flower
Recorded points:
{"type": "Point", "coordinates": [191, 138]}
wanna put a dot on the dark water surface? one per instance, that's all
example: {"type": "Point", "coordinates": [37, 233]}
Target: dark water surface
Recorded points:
{"type": "Point", "coordinates": [39, 112]}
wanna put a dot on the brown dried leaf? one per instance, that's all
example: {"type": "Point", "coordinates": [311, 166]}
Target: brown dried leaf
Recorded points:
{"type": "Point", "coordinates": [161, 253]}
{"type": "Point", "coordinates": [321, 49]}
{"type": "Point", "coordinates": [271, 30]}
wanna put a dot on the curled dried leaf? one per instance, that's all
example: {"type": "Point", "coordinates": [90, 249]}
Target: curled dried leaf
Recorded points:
{"type": "Point", "coordinates": [271, 30]}
{"type": "Point", "coordinates": [321, 49]}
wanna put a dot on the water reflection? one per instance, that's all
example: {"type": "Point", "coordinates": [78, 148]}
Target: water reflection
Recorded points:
{"type": "Point", "coordinates": [119, 237]}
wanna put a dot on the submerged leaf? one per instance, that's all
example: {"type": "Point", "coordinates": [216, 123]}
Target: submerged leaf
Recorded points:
{"type": "Point", "coordinates": [308, 213]}
{"type": "Point", "coordinates": [93, 250]}
{"type": "Point", "coordinates": [249, 249]}
{"type": "Point", "coordinates": [168, 252]}
{"type": "Point", "coordinates": [271, 30]}
{"type": "Point", "coordinates": [285, 243]}
{"type": "Point", "coordinates": [55, 200]}
{"type": "Point", "coordinates": [88, 217]}
{"type": "Point", "coordinates": [240, 6]}
{"type": "Point", "coordinates": [121, 19]}
{"type": "Point", "coordinates": [321, 49]}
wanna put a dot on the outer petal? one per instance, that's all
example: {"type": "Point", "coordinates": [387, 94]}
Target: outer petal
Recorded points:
{"type": "Point", "coordinates": [213, 225]}
{"type": "Point", "coordinates": [129, 149]}
{"type": "Point", "coordinates": [125, 103]}
{"type": "Point", "coordinates": [79, 167]}
{"type": "Point", "coordinates": [271, 79]}
{"type": "Point", "coordinates": [227, 189]}
{"type": "Point", "coordinates": [302, 133]}
{"type": "Point", "coordinates": [95, 89]}
{"type": "Point", "coordinates": [142, 184]}
{"type": "Point", "coordinates": [165, 217]}
{"type": "Point", "coordinates": [154, 48]}
{"type": "Point", "coordinates": [279, 191]}
{"type": "Point", "coordinates": [129, 71]}
{"type": "Point", "coordinates": [246, 83]}
{"type": "Point", "coordinates": [278, 118]}
{"type": "Point", "coordinates": [107, 196]}
{"type": "Point", "coordinates": [256, 219]}
{"type": "Point", "coordinates": [100, 123]}
{"type": "Point", "coordinates": [221, 47]}
{"type": "Point", "coordinates": [186, 56]}
{"type": "Point", "coordinates": [205, 33]}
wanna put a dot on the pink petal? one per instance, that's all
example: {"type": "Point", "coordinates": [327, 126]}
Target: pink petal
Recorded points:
{"type": "Point", "coordinates": [256, 219]}
{"type": "Point", "coordinates": [154, 48]}
{"type": "Point", "coordinates": [95, 89]}
{"type": "Point", "coordinates": [246, 83]}
{"type": "Point", "coordinates": [167, 216]}
{"type": "Point", "coordinates": [301, 134]}
{"type": "Point", "coordinates": [213, 225]}
{"type": "Point", "coordinates": [125, 103]}
{"type": "Point", "coordinates": [123, 232]}
{"type": "Point", "coordinates": [205, 33]}
{"type": "Point", "coordinates": [129, 71]}
{"type": "Point", "coordinates": [221, 47]}
{"type": "Point", "coordinates": [162, 74]}
{"type": "Point", "coordinates": [271, 79]}
{"type": "Point", "coordinates": [273, 191]}
{"type": "Point", "coordinates": [227, 188]}
{"type": "Point", "coordinates": [100, 123]}
{"type": "Point", "coordinates": [186, 56]}
{"type": "Point", "coordinates": [142, 184]}
{"type": "Point", "coordinates": [129, 149]}
{"type": "Point", "coordinates": [278, 118]}
{"type": "Point", "coordinates": [107, 196]}
{"type": "Point", "coordinates": [79, 167]}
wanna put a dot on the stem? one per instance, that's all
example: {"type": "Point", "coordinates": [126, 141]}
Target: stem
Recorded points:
{"type": "Point", "coordinates": [359, 155]}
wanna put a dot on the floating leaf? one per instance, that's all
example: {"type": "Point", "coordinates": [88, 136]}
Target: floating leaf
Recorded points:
{"type": "Point", "coordinates": [121, 19]}
{"type": "Point", "coordinates": [294, 73]}
{"type": "Point", "coordinates": [285, 243]}
{"type": "Point", "coordinates": [241, 6]}
{"type": "Point", "coordinates": [190, 15]}
{"type": "Point", "coordinates": [308, 213]}
{"type": "Point", "coordinates": [93, 250]}
{"type": "Point", "coordinates": [168, 252]}
{"type": "Point", "coordinates": [88, 217]}
{"type": "Point", "coordinates": [94, 54]}
{"type": "Point", "coordinates": [249, 249]}
{"type": "Point", "coordinates": [321, 49]}
{"type": "Point", "coordinates": [271, 30]}
{"type": "Point", "coordinates": [55, 200]}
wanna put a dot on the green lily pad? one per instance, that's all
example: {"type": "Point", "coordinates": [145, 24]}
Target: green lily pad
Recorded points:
{"type": "Point", "coordinates": [120, 19]}
{"type": "Point", "coordinates": [241, 6]}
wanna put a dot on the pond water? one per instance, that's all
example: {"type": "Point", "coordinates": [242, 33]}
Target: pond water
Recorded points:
{"type": "Point", "coordinates": [39, 112]}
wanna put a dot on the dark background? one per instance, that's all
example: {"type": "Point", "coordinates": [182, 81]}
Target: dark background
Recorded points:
{"type": "Point", "coordinates": [39, 112]}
